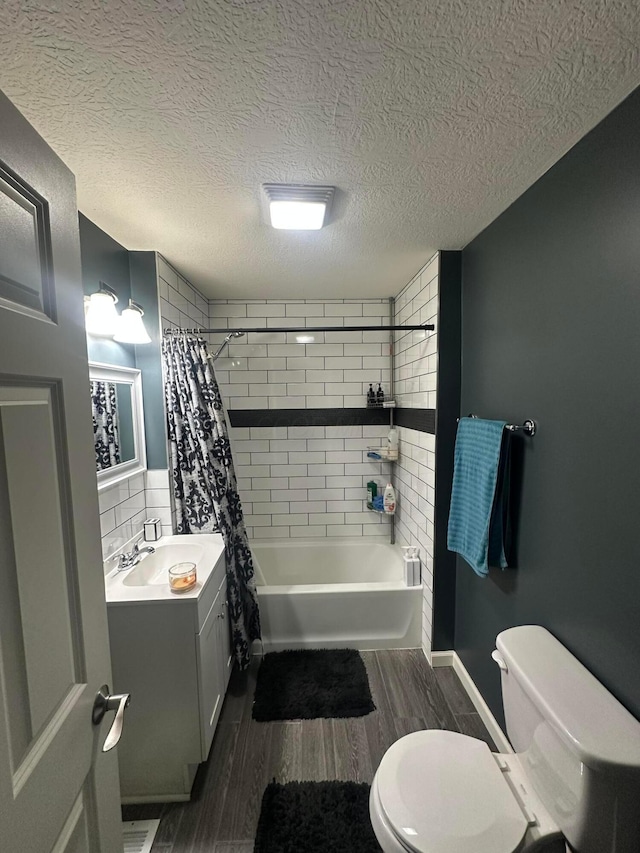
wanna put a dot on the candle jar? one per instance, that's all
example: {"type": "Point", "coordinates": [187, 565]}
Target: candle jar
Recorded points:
{"type": "Point", "coordinates": [182, 577]}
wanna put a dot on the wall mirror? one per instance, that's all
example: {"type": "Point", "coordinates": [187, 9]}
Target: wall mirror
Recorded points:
{"type": "Point", "coordinates": [118, 422]}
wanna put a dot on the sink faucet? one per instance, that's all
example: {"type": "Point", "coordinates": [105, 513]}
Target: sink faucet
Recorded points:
{"type": "Point", "coordinates": [128, 561]}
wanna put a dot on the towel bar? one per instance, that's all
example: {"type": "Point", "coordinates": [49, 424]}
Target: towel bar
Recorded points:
{"type": "Point", "coordinates": [529, 427]}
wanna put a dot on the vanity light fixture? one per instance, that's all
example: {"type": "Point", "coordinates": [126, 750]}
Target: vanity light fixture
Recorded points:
{"type": "Point", "coordinates": [298, 207]}
{"type": "Point", "coordinates": [101, 318]}
{"type": "Point", "coordinates": [131, 329]}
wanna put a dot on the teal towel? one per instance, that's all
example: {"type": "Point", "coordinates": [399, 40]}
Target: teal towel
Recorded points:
{"type": "Point", "coordinates": [479, 524]}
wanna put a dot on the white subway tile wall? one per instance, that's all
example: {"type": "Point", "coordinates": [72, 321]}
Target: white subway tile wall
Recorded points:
{"type": "Point", "coordinates": [416, 353]}
{"type": "Point", "coordinates": [125, 506]}
{"type": "Point", "coordinates": [415, 376]}
{"type": "Point", "coordinates": [307, 482]}
{"type": "Point", "coordinates": [158, 499]}
{"type": "Point", "coordinates": [298, 370]}
{"type": "Point", "coordinates": [181, 305]}
{"type": "Point", "coordinates": [304, 482]}
{"type": "Point", "coordinates": [122, 513]}
{"type": "Point", "coordinates": [415, 487]}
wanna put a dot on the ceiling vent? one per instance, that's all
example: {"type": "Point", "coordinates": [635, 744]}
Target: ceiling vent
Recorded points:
{"type": "Point", "coordinates": [298, 207]}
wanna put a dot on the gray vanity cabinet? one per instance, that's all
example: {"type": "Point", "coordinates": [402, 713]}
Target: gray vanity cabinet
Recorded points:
{"type": "Point", "coordinates": [174, 657]}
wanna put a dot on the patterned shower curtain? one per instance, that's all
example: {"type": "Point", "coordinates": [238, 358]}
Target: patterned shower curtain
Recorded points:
{"type": "Point", "coordinates": [104, 409]}
{"type": "Point", "coordinates": [204, 481]}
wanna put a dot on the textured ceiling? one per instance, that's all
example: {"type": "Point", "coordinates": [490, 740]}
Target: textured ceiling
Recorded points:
{"type": "Point", "coordinates": [429, 117]}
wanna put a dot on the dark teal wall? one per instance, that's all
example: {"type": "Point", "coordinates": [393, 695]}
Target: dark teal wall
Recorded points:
{"type": "Point", "coordinates": [131, 275]}
{"type": "Point", "coordinates": [103, 259]}
{"type": "Point", "coordinates": [551, 331]}
{"type": "Point", "coordinates": [144, 290]}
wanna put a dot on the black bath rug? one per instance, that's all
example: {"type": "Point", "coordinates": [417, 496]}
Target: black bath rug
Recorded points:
{"type": "Point", "coordinates": [315, 817]}
{"type": "Point", "coordinates": [306, 684]}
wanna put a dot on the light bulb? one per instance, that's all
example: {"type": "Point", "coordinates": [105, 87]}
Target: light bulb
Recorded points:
{"type": "Point", "coordinates": [131, 329]}
{"type": "Point", "coordinates": [102, 318]}
{"type": "Point", "coordinates": [297, 215]}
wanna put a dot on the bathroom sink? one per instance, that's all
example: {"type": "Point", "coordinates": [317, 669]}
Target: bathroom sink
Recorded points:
{"type": "Point", "coordinates": [149, 579]}
{"type": "Point", "coordinates": [153, 568]}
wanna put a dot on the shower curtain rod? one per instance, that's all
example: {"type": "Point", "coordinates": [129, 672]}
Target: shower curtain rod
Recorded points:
{"type": "Point", "coordinates": [428, 327]}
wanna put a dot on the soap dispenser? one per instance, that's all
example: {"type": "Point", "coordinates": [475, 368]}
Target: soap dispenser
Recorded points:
{"type": "Point", "coordinates": [412, 567]}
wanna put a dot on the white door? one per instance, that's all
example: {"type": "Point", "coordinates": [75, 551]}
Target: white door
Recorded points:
{"type": "Point", "coordinates": [58, 791]}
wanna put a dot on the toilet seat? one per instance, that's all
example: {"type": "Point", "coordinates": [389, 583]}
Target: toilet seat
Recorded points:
{"type": "Point", "coordinates": [443, 792]}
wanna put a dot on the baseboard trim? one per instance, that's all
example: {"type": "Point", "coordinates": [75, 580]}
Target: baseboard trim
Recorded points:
{"type": "Point", "coordinates": [442, 659]}
{"type": "Point", "coordinates": [450, 658]}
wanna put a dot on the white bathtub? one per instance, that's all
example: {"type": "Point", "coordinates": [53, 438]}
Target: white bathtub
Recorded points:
{"type": "Point", "coordinates": [333, 593]}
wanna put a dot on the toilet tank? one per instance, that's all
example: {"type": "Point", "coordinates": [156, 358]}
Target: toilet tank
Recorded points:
{"type": "Point", "coordinates": [578, 746]}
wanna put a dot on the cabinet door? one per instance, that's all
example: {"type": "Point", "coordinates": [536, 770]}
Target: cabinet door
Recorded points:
{"type": "Point", "coordinates": [210, 683]}
{"type": "Point", "coordinates": [224, 640]}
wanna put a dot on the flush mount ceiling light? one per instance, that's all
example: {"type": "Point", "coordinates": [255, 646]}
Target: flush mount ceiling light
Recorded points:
{"type": "Point", "coordinates": [131, 329]}
{"type": "Point", "coordinates": [297, 207]}
{"type": "Point", "coordinates": [101, 318]}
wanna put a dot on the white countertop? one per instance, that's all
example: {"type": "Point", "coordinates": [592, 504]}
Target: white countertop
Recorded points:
{"type": "Point", "coordinates": [149, 581]}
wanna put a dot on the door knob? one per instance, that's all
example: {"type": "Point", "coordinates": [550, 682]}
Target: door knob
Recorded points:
{"type": "Point", "coordinates": [106, 702]}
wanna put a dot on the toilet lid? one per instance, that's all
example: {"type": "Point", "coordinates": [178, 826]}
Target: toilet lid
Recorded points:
{"type": "Point", "coordinates": [443, 792]}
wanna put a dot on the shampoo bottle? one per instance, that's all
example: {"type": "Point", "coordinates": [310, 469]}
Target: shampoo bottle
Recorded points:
{"type": "Point", "coordinates": [389, 499]}
{"type": "Point", "coordinates": [371, 397]}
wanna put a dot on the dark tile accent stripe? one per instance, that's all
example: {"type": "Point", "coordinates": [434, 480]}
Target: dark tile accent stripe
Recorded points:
{"type": "Point", "coordinates": [423, 420]}
{"type": "Point", "coordinates": [306, 417]}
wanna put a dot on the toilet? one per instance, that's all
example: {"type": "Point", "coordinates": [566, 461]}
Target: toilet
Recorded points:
{"type": "Point", "coordinates": [574, 776]}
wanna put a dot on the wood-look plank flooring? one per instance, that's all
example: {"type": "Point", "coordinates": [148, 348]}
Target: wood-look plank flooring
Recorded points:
{"type": "Point", "coordinates": [246, 755]}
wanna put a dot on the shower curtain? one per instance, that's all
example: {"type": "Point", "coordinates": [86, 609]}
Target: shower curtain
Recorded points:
{"type": "Point", "coordinates": [104, 409]}
{"type": "Point", "coordinates": [204, 481]}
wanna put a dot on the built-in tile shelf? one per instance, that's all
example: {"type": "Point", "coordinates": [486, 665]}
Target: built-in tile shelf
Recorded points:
{"type": "Point", "coordinates": [306, 417]}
